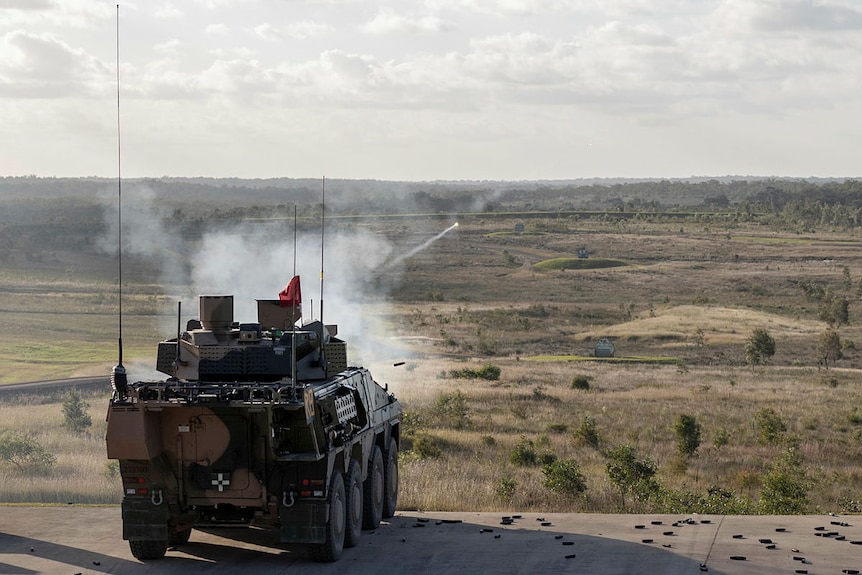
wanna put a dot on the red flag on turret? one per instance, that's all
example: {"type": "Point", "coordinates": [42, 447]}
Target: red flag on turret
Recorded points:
{"type": "Point", "coordinates": [291, 294]}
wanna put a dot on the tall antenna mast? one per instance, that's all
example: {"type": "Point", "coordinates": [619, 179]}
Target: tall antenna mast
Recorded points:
{"type": "Point", "coordinates": [293, 310]}
{"type": "Point", "coordinates": [119, 381]}
{"type": "Point", "coordinates": [322, 227]}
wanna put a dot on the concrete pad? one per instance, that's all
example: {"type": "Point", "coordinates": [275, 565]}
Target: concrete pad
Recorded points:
{"type": "Point", "coordinates": [87, 540]}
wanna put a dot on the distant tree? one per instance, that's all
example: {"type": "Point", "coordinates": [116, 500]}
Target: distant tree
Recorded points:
{"type": "Point", "coordinates": [760, 347]}
{"type": "Point", "coordinates": [630, 474]}
{"type": "Point", "coordinates": [687, 431]}
{"type": "Point", "coordinates": [76, 418]}
{"type": "Point", "coordinates": [829, 347]}
{"type": "Point", "coordinates": [834, 310]}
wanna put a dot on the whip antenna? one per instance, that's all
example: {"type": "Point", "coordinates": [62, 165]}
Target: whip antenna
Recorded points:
{"type": "Point", "coordinates": [293, 310]}
{"type": "Point", "coordinates": [322, 227]}
{"type": "Point", "coordinates": [119, 381]}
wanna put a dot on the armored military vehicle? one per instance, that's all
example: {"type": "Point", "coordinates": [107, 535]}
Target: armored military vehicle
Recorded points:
{"type": "Point", "coordinates": [261, 423]}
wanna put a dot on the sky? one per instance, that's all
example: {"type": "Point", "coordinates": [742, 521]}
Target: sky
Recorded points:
{"type": "Point", "coordinates": [431, 89]}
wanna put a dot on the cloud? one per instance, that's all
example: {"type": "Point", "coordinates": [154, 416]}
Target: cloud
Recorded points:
{"type": "Point", "coordinates": [43, 66]}
{"type": "Point", "coordinates": [799, 15]}
{"type": "Point", "coordinates": [268, 32]}
{"type": "Point", "coordinates": [219, 4]}
{"type": "Point", "coordinates": [167, 10]}
{"type": "Point", "coordinates": [169, 46]}
{"type": "Point", "coordinates": [63, 13]}
{"type": "Point", "coordinates": [216, 29]}
{"type": "Point", "coordinates": [388, 22]}
{"type": "Point", "coordinates": [26, 4]}
{"type": "Point", "coordinates": [307, 29]}
{"type": "Point", "coordinates": [504, 8]}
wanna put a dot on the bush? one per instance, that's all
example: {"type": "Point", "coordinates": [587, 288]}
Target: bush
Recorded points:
{"type": "Point", "coordinates": [112, 469]}
{"type": "Point", "coordinates": [25, 453]}
{"type": "Point", "coordinates": [452, 408]}
{"type": "Point", "coordinates": [770, 426]}
{"type": "Point", "coordinates": [722, 438]}
{"type": "Point", "coordinates": [785, 486]}
{"type": "Point", "coordinates": [564, 476]}
{"type": "Point", "coordinates": [581, 382]}
{"type": "Point", "coordinates": [717, 501]}
{"type": "Point", "coordinates": [630, 474]}
{"type": "Point", "coordinates": [506, 488]}
{"type": "Point", "coordinates": [587, 433]}
{"type": "Point", "coordinates": [558, 427]}
{"type": "Point", "coordinates": [488, 372]}
{"type": "Point", "coordinates": [425, 446]}
{"type": "Point", "coordinates": [524, 453]}
{"type": "Point", "coordinates": [687, 431]}
{"type": "Point", "coordinates": [76, 418]}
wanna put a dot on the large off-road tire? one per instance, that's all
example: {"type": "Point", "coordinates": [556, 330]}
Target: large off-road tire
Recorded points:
{"type": "Point", "coordinates": [148, 550]}
{"type": "Point", "coordinates": [353, 489]}
{"type": "Point", "coordinates": [390, 479]}
{"type": "Point", "coordinates": [373, 496]}
{"type": "Point", "coordinates": [336, 524]}
{"type": "Point", "coordinates": [180, 537]}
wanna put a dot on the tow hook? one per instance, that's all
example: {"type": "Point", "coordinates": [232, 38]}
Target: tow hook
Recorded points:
{"type": "Point", "coordinates": [157, 499]}
{"type": "Point", "coordinates": [284, 497]}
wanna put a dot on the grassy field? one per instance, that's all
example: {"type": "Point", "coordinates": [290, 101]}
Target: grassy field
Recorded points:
{"type": "Point", "coordinates": [680, 309]}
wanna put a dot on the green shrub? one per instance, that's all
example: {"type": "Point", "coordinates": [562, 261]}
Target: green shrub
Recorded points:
{"type": "Point", "coordinates": [722, 438]}
{"type": "Point", "coordinates": [112, 469]}
{"type": "Point", "coordinates": [453, 410]}
{"type": "Point", "coordinates": [687, 431]}
{"type": "Point", "coordinates": [25, 453]}
{"type": "Point", "coordinates": [564, 476]}
{"type": "Point", "coordinates": [717, 501]}
{"type": "Point", "coordinates": [488, 441]}
{"type": "Point", "coordinates": [785, 485]}
{"type": "Point", "coordinates": [587, 433]}
{"type": "Point", "coordinates": [770, 426]}
{"type": "Point", "coordinates": [426, 446]}
{"type": "Point", "coordinates": [524, 452]}
{"type": "Point", "coordinates": [631, 474]}
{"type": "Point", "coordinates": [581, 382]}
{"type": "Point", "coordinates": [75, 416]}
{"type": "Point", "coordinates": [506, 488]}
{"type": "Point", "coordinates": [488, 372]}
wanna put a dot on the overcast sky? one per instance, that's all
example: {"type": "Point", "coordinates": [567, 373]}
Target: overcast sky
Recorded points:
{"type": "Point", "coordinates": [432, 89]}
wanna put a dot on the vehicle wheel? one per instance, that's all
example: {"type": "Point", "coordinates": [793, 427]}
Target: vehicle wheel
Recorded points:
{"type": "Point", "coordinates": [148, 550]}
{"type": "Point", "coordinates": [330, 550]}
{"type": "Point", "coordinates": [180, 537]}
{"type": "Point", "coordinates": [373, 496]}
{"type": "Point", "coordinates": [353, 488]}
{"type": "Point", "coordinates": [390, 479]}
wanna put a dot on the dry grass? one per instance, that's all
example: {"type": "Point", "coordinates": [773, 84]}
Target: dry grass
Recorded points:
{"type": "Point", "coordinates": [79, 474]}
{"type": "Point", "coordinates": [634, 405]}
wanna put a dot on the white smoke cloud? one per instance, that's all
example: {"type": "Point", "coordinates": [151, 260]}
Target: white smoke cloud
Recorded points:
{"type": "Point", "coordinates": [252, 262]}
{"type": "Point", "coordinates": [145, 233]}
